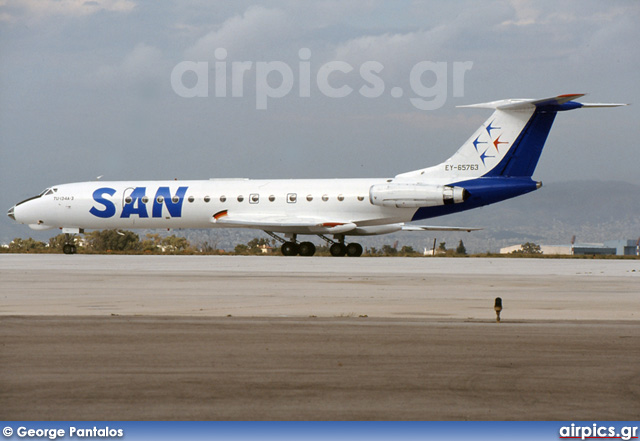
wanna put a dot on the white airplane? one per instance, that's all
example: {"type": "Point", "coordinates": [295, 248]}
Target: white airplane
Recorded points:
{"type": "Point", "coordinates": [494, 164]}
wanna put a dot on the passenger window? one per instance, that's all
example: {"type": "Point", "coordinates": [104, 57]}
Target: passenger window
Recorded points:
{"type": "Point", "coordinates": [340, 197]}
{"type": "Point", "coordinates": [361, 198]}
{"type": "Point", "coordinates": [223, 198]}
{"type": "Point", "coordinates": [254, 198]}
{"type": "Point", "coordinates": [325, 197]}
{"type": "Point", "coordinates": [309, 197]}
{"type": "Point", "coordinates": [207, 199]}
{"type": "Point", "coordinates": [292, 198]}
{"type": "Point", "coordinates": [175, 199]}
{"type": "Point", "coordinates": [240, 198]}
{"type": "Point", "coordinates": [191, 199]}
{"type": "Point", "coordinates": [272, 198]}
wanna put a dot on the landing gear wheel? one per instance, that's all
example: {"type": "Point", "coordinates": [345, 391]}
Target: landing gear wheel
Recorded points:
{"type": "Point", "coordinates": [289, 249]}
{"type": "Point", "coordinates": [69, 249]}
{"type": "Point", "coordinates": [307, 249]}
{"type": "Point", "coordinates": [354, 250]}
{"type": "Point", "coordinates": [338, 250]}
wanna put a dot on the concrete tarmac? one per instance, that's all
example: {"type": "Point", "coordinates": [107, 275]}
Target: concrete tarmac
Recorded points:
{"type": "Point", "coordinates": [172, 337]}
{"type": "Point", "coordinates": [263, 286]}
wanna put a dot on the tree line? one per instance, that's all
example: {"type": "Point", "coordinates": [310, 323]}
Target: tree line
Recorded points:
{"type": "Point", "coordinates": [106, 241]}
{"type": "Point", "coordinates": [128, 242]}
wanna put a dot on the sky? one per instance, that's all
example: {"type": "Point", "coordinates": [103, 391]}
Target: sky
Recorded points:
{"type": "Point", "coordinates": [195, 89]}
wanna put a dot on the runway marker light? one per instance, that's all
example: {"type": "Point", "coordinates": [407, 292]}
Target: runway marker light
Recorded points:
{"type": "Point", "coordinates": [498, 307]}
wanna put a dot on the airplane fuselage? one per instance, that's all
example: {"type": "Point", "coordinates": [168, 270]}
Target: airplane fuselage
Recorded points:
{"type": "Point", "coordinates": [193, 204]}
{"type": "Point", "coordinates": [496, 163]}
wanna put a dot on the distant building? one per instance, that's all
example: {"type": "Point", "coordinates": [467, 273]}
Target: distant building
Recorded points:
{"type": "Point", "coordinates": [624, 247]}
{"type": "Point", "coordinates": [544, 249]}
{"type": "Point", "coordinates": [593, 249]}
{"type": "Point", "coordinates": [611, 247]}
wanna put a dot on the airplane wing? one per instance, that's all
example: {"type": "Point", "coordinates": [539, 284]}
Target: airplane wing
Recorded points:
{"type": "Point", "coordinates": [310, 225]}
{"type": "Point", "coordinates": [283, 223]}
{"type": "Point", "coordinates": [436, 228]}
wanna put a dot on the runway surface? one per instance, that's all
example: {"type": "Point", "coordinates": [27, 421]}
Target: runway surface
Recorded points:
{"type": "Point", "coordinates": [247, 286]}
{"type": "Point", "coordinates": [171, 337]}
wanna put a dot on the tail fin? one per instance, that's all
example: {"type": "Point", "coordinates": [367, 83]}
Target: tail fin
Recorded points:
{"type": "Point", "coordinates": [508, 144]}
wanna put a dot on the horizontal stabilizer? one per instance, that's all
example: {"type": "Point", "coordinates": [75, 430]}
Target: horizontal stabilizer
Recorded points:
{"type": "Point", "coordinates": [436, 228]}
{"type": "Point", "coordinates": [518, 104]}
{"type": "Point", "coordinates": [588, 105]}
{"type": "Point", "coordinates": [523, 104]}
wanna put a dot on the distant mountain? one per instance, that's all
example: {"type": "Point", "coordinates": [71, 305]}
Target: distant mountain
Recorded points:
{"type": "Point", "coordinates": [590, 201]}
{"type": "Point", "coordinates": [593, 211]}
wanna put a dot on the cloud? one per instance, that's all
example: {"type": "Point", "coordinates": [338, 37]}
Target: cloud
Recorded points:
{"type": "Point", "coordinates": [253, 32]}
{"type": "Point", "coordinates": [399, 52]}
{"type": "Point", "coordinates": [142, 69]}
{"type": "Point", "coordinates": [37, 10]}
{"type": "Point", "coordinates": [526, 13]}
{"type": "Point", "coordinates": [396, 52]}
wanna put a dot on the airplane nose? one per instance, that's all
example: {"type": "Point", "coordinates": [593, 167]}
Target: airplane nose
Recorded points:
{"type": "Point", "coordinates": [11, 212]}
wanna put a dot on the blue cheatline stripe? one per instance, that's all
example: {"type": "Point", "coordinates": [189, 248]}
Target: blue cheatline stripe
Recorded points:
{"type": "Point", "coordinates": [482, 191]}
{"type": "Point", "coordinates": [333, 431]}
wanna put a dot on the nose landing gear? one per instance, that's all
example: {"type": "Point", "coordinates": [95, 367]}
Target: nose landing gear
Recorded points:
{"type": "Point", "coordinates": [69, 247]}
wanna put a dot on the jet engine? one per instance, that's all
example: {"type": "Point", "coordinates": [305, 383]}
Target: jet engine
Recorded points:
{"type": "Point", "coordinates": [416, 195]}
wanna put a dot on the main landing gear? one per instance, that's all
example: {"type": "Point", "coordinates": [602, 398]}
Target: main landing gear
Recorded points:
{"type": "Point", "coordinates": [353, 249]}
{"type": "Point", "coordinates": [302, 248]}
{"type": "Point", "coordinates": [339, 249]}
{"type": "Point", "coordinates": [293, 248]}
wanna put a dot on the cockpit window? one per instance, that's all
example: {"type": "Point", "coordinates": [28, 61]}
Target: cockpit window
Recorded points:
{"type": "Point", "coordinates": [48, 191]}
